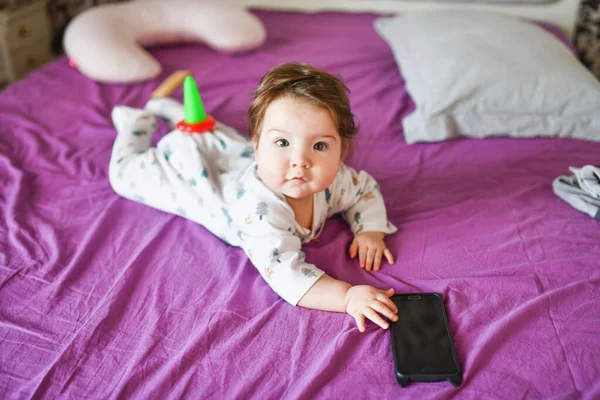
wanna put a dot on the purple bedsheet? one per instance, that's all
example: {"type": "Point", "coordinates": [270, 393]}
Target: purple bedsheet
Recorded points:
{"type": "Point", "coordinates": [101, 297]}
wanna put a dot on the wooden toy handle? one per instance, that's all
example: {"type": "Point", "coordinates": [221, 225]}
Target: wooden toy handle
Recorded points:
{"type": "Point", "coordinates": [169, 85]}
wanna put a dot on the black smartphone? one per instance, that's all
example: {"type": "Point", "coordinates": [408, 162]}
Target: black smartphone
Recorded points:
{"type": "Point", "coordinates": [421, 342]}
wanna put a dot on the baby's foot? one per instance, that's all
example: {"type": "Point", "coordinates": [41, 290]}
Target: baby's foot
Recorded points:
{"type": "Point", "coordinates": [167, 108]}
{"type": "Point", "coordinates": [133, 121]}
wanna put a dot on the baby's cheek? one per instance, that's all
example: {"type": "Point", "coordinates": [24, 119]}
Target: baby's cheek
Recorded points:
{"type": "Point", "coordinates": [328, 177]}
{"type": "Point", "coordinates": [269, 179]}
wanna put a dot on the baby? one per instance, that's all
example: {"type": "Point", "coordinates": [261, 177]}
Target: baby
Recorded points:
{"type": "Point", "coordinates": [271, 194]}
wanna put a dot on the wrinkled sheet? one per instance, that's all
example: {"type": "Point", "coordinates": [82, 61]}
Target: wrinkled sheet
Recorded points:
{"type": "Point", "coordinates": [101, 297]}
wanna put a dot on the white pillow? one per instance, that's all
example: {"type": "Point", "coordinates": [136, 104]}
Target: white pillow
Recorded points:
{"type": "Point", "coordinates": [105, 43]}
{"type": "Point", "coordinates": [476, 74]}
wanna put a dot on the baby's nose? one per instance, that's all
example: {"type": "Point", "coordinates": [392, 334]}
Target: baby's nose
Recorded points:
{"type": "Point", "coordinates": [300, 161]}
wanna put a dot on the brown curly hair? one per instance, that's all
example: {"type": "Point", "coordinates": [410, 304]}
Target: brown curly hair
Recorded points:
{"type": "Point", "coordinates": [304, 82]}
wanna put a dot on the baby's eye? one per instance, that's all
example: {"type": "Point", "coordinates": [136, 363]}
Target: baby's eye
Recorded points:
{"type": "Point", "coordinates": [282, 143]}
{"type": "Point", "coordinates": [321, 146]}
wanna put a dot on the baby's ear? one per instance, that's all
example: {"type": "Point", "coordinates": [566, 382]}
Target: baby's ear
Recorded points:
{"type": "Point", "coordinates": [345, 145]}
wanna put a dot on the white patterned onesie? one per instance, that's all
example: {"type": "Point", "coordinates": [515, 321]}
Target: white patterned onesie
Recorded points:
{"type": "Point", "coordinates": [211, 179]}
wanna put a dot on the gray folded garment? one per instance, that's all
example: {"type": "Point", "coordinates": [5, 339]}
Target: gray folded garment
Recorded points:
{"type": "Point", "coordinates": [581, 190]}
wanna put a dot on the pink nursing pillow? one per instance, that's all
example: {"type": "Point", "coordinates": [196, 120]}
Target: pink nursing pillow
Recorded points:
{"type": "Point", "coordinates": [106, 43]}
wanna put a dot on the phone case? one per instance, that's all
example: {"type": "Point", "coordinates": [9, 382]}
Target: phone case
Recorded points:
{"type": "Point", "coordinates": [404, 379]}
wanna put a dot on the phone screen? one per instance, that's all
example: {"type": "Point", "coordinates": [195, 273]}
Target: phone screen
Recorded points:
{"type": "Point", "coordinates": [421, 338]}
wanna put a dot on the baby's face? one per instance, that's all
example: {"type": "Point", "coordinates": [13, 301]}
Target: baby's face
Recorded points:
{"type": "Point", "coordinates": [299, 150]}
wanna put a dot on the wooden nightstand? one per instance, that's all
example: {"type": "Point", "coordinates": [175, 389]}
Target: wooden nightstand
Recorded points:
{"type": "Point", "coordinates": [24, 39]}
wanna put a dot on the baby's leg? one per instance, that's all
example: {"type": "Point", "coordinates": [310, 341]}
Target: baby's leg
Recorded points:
{"type": "Point", "coordinates": [223, 148]}
{"type": "Point", "coordinates": [137, 171]}
{"type": "Point", "coordinates": [173, 177]}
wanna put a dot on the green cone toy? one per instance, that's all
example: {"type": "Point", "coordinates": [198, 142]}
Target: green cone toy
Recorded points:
{"type": "Point", "coordinates": [195, 118]}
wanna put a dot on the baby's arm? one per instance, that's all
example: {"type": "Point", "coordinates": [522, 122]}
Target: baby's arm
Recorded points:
{"type": "Point", "coordinates": [357, 197]}
{"type": "Point", "coordinates": [282, 265]}
{"type": "Point", "coordinates": [275, 251]}
{"type": "Point", "coordinates": [361, 301]}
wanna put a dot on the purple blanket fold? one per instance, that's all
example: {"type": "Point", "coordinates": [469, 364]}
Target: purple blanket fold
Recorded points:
{"type": "Point", "coordinates": [101, 297]}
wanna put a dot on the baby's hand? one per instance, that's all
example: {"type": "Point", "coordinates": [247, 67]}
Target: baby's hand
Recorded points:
{"type": "Point", "coordinates": [370, 247]}
{"type": "Point", "coordinates": [366, 301]}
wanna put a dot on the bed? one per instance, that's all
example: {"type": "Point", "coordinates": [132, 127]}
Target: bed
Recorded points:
{"type": "Point", "coordinates": [101, 297]}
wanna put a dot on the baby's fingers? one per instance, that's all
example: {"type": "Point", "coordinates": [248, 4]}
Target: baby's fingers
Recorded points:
{"type": "Point", "coordinates": [385, 310]}
{"type": "Point", "coordinates": [362, 255]}
{"type": "Point", "coordinates": [360, 322]}
{"type": "Point", "coordinates": [370, 258]}
{"type": "Point", "coordinates": [377, 260]}
{"type": "Point", "coordinates": [388, 256]}
{"type": "Point", "coordinates": [384, 297]}
{"type": "Point", "coordinates": [373, 316]}
{"type": "Point", "coordinates": [353, 248]}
